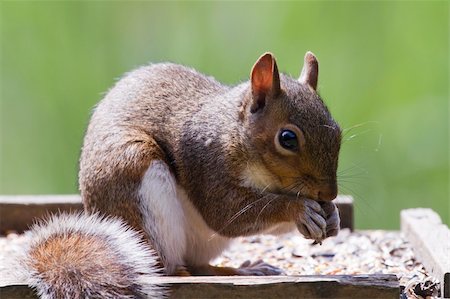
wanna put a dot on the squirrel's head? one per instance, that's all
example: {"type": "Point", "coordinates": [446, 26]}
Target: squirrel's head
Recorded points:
{"type": "Point", "coordinates": [293, 140]}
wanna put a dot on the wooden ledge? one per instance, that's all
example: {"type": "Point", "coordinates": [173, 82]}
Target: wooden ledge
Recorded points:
{"type": "Point", "coordinates": [18, 212]}
{"type": "Point", "coordinates": [430, 239]}
{"type": "Point", "coordinates": [327, 286]}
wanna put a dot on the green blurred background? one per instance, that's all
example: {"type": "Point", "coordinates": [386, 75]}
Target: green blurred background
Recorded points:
{"type": "Point", "coordinates": [383, 73]}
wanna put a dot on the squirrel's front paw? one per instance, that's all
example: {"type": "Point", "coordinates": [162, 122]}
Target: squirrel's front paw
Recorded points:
{"type": "Point", "coordinates": [312, 223]}
{"type": "Point", "coordinates": [319, 220]}
{"type": "Point", "coordinates": [332, 218]}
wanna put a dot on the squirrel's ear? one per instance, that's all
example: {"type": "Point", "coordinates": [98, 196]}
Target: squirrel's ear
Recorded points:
{"type": "Point", "coordinates": [265, 81]}
{"type": "Point", "coordinates": [310, 71]}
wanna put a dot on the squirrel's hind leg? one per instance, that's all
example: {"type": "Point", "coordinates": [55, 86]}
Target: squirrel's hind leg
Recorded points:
{"type": "Point", "coordinates": [131, 180]}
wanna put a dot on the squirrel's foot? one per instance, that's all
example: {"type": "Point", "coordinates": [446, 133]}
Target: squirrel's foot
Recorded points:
{"type": "Point", "coordinates": [312, 223]}
{"type": "Point", "coordinates": [258, 268]}
{"type": "Point", "coordinates": [332, 218]}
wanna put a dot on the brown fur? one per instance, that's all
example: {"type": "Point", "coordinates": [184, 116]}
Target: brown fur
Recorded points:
{"type": "Point", "coordinates": [208, 134]}
{"type": "Point", "coordinates": [58, 254]}
{"type": "Point", "coordinates": [81, 256]}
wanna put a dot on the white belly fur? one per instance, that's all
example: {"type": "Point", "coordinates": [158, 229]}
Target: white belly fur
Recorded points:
{"type": "Point", "coordinates": [168, 212]}
{"type": "Point", "coordinates": [203, 244]}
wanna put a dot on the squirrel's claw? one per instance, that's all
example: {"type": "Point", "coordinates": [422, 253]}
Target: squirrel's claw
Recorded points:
{"type": "Point", "coordinates": [332, 218]}
{"type": "Point", "coordinates": [312, 223]}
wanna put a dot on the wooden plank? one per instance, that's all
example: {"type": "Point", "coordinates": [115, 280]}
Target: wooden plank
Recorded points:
{"type": "Point", "coordinates": [17, 291]}
{"type": "Point", "coordinates": [327, 286]}
{"type": "Point", "coordinates": [18, 212]}
{"type": "Point", "coordinates": [345, 206]}
{"type": "Point", "coordinates": [430, 239]}
{"type": "Point", "coordinates": [342, 286]}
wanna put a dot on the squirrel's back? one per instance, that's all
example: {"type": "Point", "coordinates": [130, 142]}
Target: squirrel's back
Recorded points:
{"type": "Point", "coordinates": [160, 89]}
{"type": "Point", "coordinates": [86, 256]}
{"type": "Point", "coordinates": [156, 100]}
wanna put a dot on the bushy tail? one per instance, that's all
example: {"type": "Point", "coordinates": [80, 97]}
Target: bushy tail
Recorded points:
{"type": "Point", "coordinates": [87, 256]}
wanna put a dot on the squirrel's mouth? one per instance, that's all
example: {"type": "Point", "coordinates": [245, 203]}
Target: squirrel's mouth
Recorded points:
{"type": "Point", "coordinates": [318, 189]}
{"type": "Point", "coordinates": [302, 186]}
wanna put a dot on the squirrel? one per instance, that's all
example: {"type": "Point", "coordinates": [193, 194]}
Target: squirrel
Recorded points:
{"type": "Point", "coordinates": [175, 165]}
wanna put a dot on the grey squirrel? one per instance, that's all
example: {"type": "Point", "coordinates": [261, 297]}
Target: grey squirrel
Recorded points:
{"type": "Point", "coordinates": [180, 165]}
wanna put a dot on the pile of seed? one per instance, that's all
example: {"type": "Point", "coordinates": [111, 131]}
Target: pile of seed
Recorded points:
{"type": "Point", "coordinates": [360, 252]}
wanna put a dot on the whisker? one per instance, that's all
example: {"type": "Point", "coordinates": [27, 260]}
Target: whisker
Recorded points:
{"type": "Point", "coordinates": [358, 195]}
{"type": "Point", "coordinates": [296, 186]}
{"type": "Point", "coordinates": [235, 216]}
{"type": "Point", "coordinates": [353, 182]}
{"type": "Point", "coordinates": [265, 188]}
{"type": "Point", "coordinates": [356, 135]}
{"type": "Point", "coordinates": [346, 130]}
{"type": "Point", "coordinates": [260, 212]}
{"type": "Point", "coordinates": [357, 176]}
{"type": "Point", "coordinates": [354, 166]}
{"type": "Point", "coordinates": [380, 137]}
{"type": "Point", "coordinates": [329, 127]}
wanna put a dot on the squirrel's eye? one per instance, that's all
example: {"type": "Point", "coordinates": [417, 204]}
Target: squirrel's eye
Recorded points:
{"type": "Point", "coordinates": [288, 140]}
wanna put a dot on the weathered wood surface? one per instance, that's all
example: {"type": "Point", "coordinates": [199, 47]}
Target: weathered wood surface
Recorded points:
{"type": "Point", "coordinates": [18, 212]}
{"type": "Point", "coordinates": [430, 239]}
{"type": "Point", "coordinates": [328, 286]}
{"type": "Point", "coordinates": [345, 206]}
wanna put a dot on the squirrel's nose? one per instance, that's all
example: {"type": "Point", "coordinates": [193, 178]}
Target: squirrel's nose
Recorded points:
{"type": "Point", "coordinates": [328, 192]}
